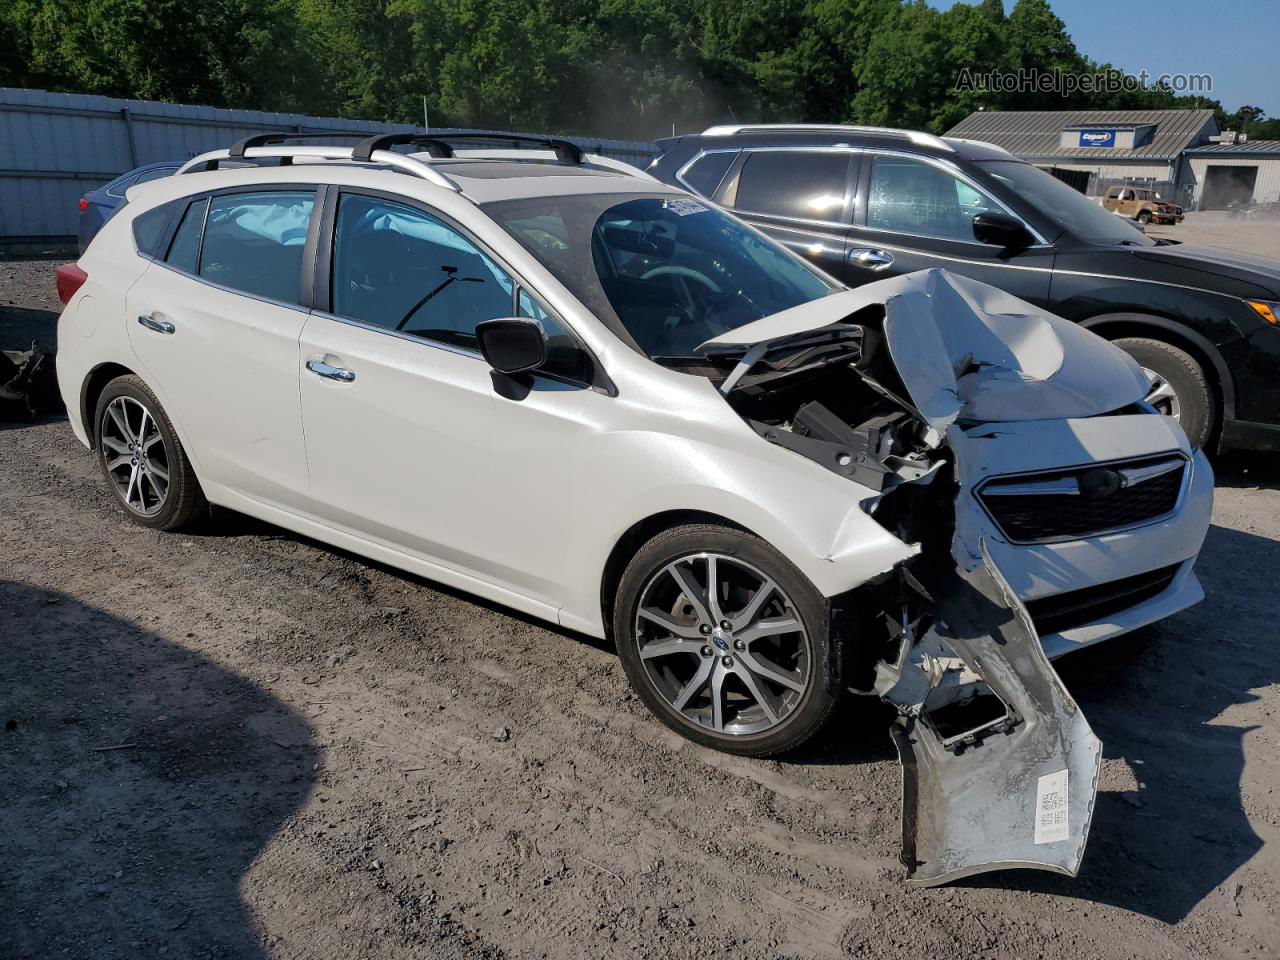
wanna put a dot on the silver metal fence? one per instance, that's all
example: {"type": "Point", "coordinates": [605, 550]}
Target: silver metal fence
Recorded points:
{"type": "Point", "coordinates": [55, 147]}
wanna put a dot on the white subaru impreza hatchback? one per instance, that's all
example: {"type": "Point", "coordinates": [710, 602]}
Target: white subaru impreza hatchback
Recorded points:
{"type": "Point", "coordinates": [549, 380]}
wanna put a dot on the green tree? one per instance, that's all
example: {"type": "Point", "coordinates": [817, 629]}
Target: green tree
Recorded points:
{"type": "Point", "coordinates": [629, 68]}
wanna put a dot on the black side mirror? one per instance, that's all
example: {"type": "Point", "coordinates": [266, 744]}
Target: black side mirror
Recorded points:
{"type": "Point", "coordinates": [1001, 230]}
{"type": "Point", "coordinates": [512, 345]}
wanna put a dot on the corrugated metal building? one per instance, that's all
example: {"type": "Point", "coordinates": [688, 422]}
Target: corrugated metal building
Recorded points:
{"type": "Point", "coordinates": [1092, 149]}
{"type": "Point", "coordinates": [1235, 173]}
{"type": "Point", "coordinates": [55, 147]}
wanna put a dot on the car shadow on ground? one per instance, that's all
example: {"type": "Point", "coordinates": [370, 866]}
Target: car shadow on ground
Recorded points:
{"type": "Point", "coordinates": [139, 782]}
{"type": "Point", "coordinates": [1178, 830]}
{"type": "Point", "coordinates": [19, 326]}
{"type": "Point", "coordinates": [225, 523]}
{"type": "Point", "coordinates": [1246, 470]}
{"type": "Point", "coordinates": [12, 422]}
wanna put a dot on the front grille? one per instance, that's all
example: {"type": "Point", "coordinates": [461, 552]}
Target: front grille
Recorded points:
{"type": "Point", "coordinates": [1066, 611]}
{"type": "Point", "coordinates": [1084, 501]}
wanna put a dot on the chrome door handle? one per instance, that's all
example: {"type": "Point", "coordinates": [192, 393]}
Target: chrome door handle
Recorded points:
{"type": "Point", "coordinates": [871, 259]}
{"type": "Point", "coordinates": [330, 372]}
{"type": "Point", "coordinates": [159, 326]}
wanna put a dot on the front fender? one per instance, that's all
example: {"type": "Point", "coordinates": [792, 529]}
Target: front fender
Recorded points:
{"type": "Point", "coordinates": [812, 517]}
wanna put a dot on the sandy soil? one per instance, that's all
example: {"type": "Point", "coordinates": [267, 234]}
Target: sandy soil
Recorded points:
{"type": "Point", "coordinates": [239, 743]}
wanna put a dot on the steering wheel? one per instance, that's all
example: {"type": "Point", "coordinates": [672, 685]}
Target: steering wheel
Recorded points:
{"type": "Point", "coordinates": [670, 270]}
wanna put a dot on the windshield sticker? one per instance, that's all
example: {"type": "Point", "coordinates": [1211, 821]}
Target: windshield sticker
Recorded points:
{"type": "Point", "coordinates": [1051, 808]}
{"type": "Point", "coordinates": [682, 208]}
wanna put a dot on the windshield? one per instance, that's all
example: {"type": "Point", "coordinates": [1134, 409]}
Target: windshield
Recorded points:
{"type": "Point", "coordinates": [1065, 206]}
{"type": "Point", "coordinates": [666, 272]}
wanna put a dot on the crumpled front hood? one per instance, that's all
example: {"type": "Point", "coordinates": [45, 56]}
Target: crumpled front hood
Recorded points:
{"type": "Point", "coordinates": [969, 352]}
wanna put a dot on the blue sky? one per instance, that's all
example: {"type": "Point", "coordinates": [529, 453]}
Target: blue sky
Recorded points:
{"type": "Point", "coordinates": [1237, 42]}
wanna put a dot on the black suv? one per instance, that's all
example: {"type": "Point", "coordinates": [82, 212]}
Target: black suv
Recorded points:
{"type": "Point", "coordinates": [867, 203]}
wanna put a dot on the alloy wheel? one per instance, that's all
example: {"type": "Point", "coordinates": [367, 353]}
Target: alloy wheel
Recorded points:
{"type": "Point", "coordinates": [1162, 395]}
{"type": "Point", "coordinates": [723, 644]}
{"type": "Point", "coordinates": [136, 457]}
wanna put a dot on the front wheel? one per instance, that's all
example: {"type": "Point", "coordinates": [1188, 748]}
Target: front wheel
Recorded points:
{"type": "Point", "coordinates": [1144, 217]}
{"type": "Point", "coordinates": [1179, 386]}
{"type": "Point", "coordinates": [726, 641]}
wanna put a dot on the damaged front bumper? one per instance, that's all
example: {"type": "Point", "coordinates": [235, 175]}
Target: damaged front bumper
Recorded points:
{"type": "Point", "coordinates": [1029, 473]}
{"type": "Point", "coordinates": [999, 766]}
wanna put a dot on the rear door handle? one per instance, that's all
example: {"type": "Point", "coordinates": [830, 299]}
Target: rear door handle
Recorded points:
{"type": "Point", "coordinates": [159, 326]}
{"type": "Point", "coordinates": [330, 372]}
{"type": "Point", "coordinates": [871, 258]}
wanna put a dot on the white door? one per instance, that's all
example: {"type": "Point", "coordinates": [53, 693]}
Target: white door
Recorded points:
{"type": "Point", "coordinates": [215, 328]}
{"type": "Point", "coordinates": [409, 439]}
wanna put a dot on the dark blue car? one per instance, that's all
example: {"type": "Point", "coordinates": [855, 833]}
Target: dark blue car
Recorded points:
{"type": "Point", "coordinates": [97, 206]}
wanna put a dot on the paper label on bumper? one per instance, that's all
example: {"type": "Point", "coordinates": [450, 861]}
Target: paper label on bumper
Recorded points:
{"type": "Point", "coordinates": [1051, 808]}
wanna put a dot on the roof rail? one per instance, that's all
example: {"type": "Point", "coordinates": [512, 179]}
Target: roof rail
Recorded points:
{"type": "Point", "coordinates": [589, 159]}
{"type": "Point", "coordinates": [565, 151]}
{"type": "Point", "coordinates": [377, 150]}
{"type": "Point", "coordinates": [979, 143]}
{"type": "Point", "coordinates": [264, 139]}
{"type": "Point", "coordinates": [286, 155]}
{"type": "Point", "coordinates": [915, 136]}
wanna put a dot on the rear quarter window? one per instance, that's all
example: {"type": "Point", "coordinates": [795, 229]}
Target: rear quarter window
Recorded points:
{"type": "Point", "coordinates": [150, 227]}
{"type": "Point", "coordinates": [704, 174]}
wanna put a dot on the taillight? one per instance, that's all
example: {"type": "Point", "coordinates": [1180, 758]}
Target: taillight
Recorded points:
{"type": "Point", "coordinates": [84, 204]}
{"type": "Point", "coordinates": [70, 279]}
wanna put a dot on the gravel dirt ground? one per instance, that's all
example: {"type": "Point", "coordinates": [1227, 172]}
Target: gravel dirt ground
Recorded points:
{"type": "Point", "coordinates": [239, 743]}
{"type": "Point", "coordinates": [1260, 237]}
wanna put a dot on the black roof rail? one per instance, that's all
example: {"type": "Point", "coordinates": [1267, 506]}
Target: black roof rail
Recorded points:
{"type": "Point", "coordinates": [385, 141]}
{"type": "Point", "coordinates": [565, 151]}
{"type": "Point", "coordinates": [237, 149]}
{"type": "Point", "coordinates": [280, 136]}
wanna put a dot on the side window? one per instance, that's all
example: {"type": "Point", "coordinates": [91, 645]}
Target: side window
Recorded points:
{"type": "Point", "coordinates": [253, 242]}
{"type": "Point", "coordinates": [184, 252]}
{"type": "Point", "coordinates": [707, 171]}
{"type": "Point", "coordinates": [565, 357]}
{"type": "Point", "coordinates": [915, 197]}
{"type": "Point", "coordinates": [784, 183]}
{"type": "Point", "coordinates": [399, 268]}
{"type": "Point", "coordinates": [148, 228]}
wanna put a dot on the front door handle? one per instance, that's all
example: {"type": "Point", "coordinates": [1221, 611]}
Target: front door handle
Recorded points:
{"type": "Point", "coordinates": [871, 259]}
{"type": "Point", "coordinates": [152, 323]}
{"type": "Point", "coordinates": [330, 372]}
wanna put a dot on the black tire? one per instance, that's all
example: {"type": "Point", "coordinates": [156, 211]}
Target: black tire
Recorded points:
{"type": "Point", "coordinates": [1197, 405]}
{"type": "Point", "coordinates": [182, 500]}
{"type": "Point", "coordinates": [807, 711]}
{"type": "Point", "coordinates": [1144, 217]}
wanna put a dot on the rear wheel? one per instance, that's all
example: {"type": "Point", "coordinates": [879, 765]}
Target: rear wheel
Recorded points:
{"type": "Point", "coordinates": [1144, 217]}
{"type": "Point", "coordinates": [141, 459]}
{"type": "Point", "coordinates": [726, 641]}
{"type": "Point", "coordinates": [1179, 386]}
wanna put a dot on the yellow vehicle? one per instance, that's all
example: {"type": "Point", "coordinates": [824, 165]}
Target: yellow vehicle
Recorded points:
{"type": "Point", "coordinates": [1142, 205]}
